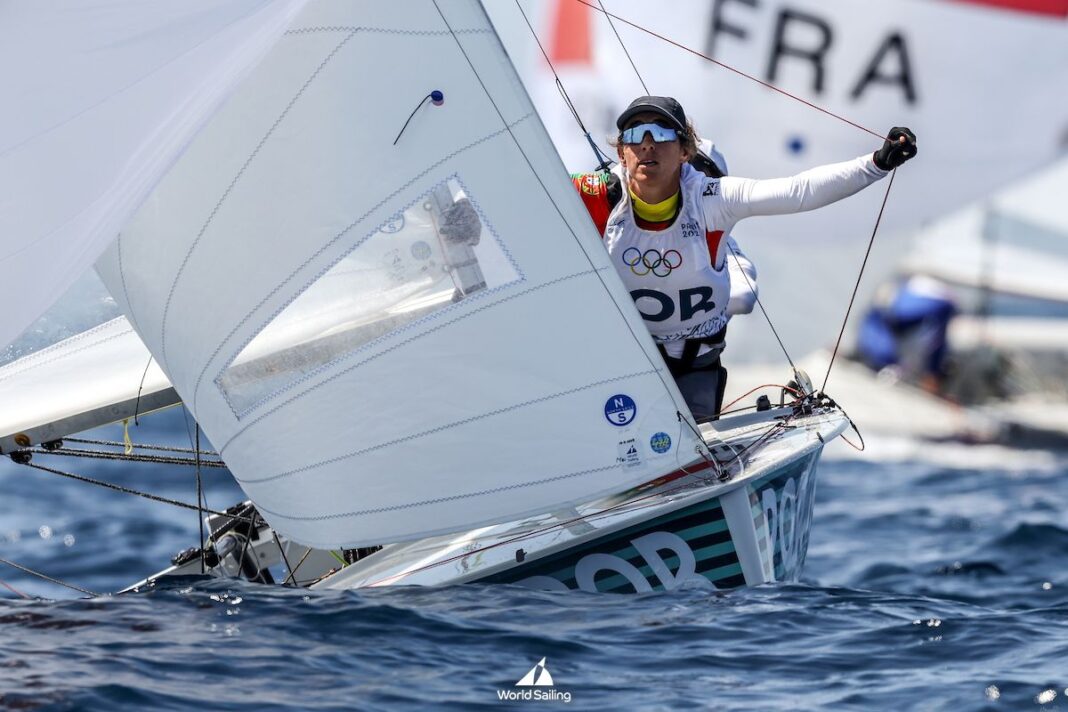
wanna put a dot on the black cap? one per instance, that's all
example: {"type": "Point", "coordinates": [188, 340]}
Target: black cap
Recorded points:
{"type": "Point", "coordinates": [663, 105]}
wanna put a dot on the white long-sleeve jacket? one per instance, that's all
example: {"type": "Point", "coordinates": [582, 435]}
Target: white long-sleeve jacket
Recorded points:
{"type": "Point", "coordinates": [681, 277]}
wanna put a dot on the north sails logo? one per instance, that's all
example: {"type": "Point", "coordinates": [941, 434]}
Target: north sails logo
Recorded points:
{"type": "Point", "coordinates": [538, 677]}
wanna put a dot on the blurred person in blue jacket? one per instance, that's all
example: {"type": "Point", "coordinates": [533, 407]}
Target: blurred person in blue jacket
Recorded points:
{"type": "Point", "coordinates": [904, 334]}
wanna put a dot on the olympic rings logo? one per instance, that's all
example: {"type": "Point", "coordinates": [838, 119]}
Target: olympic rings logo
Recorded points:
{"type": "Point", "coordinates": [642, 263]}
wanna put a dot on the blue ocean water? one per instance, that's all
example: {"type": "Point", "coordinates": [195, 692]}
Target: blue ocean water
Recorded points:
{"type": "Point", "coordinates": [936, 579]}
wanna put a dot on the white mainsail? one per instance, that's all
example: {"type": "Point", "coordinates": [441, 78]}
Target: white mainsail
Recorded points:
{"type": "Point", "coordinates": [523, 382]}
{"type": "Point", "coordinates": [99, 99]}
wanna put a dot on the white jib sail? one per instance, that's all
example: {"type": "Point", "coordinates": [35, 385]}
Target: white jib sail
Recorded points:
{"type": "Point", "coordinates": [391, 339]}
{"type": "Point", "coordinates": [99, 99]}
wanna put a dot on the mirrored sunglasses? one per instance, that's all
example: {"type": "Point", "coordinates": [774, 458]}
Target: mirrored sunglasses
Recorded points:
{"type": "Point", "coordinates": [661, 134]}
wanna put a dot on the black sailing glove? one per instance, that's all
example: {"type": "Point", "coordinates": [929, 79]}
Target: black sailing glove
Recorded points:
{"type": "Point", "coordinates": [895, 151]}
{"type": "Point", "coordinates": [460, 223]}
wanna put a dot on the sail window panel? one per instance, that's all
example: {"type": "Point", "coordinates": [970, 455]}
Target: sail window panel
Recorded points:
{"type": "Point", "coordinates": [85, 306]}
{"type": "Point", "coordinates": [434, 255]}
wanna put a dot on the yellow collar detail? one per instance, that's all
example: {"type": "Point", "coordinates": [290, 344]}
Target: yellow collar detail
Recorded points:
{"type": "Point", "coordinates": [656, 212]}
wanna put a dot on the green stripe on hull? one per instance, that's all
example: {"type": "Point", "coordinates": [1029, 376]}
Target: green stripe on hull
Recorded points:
{"type": "Point", "coordinates": [711, 536]}
{"type": "Point", "coordinates": [619, 584]}
{"type": "Point", "coordinates": [703, 530]}
{"type": "Point", "coordinates": [699, 530]}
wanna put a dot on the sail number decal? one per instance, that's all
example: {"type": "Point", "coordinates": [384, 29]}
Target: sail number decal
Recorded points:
{"type": "Point", "coordinates": [784, 531]}
{"type": "Point", "coordinates": [620, 410]}
{"type": "Point", "coordinates": [657, 550]}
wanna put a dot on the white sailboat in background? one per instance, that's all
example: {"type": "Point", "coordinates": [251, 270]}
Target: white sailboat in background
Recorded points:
{"type": "Point", "coordinates": [1005, 258]}
{"type": "Point", "coordinates": [1002, 262]}
{"type": "Point", "coordinates": [488, 406]}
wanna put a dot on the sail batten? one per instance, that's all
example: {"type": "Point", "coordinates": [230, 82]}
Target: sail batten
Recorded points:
{"type": "Point", "coordinates": [431, 335]}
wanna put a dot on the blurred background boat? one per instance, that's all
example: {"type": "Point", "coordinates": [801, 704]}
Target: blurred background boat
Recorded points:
{"type": "Point", "coordinates": [968, 339]}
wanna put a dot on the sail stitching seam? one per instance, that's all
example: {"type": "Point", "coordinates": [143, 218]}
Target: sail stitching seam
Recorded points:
{"type": "Point", "coordinates": [237, 327]}
{"type": "Point", "coordinates": [77, 337]}
{"type": "Point", "coordinates": [439, 500]}
{"type": "Point", "coordinates": [60, 357]}
{"type": "Point", "coordinates": [122, 276]}
{"type": "Point", "coordinates": [399, 344]}
{"type": "Point", "coordinates": [322, 273]}
{"type": "Point", "coordinates": [229, 188]}
{"type": "Point", "coordinates": [441, 428]}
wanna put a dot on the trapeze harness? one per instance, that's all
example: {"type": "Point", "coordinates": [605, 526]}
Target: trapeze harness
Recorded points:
{"type": "Point", "coordinates": [675, 268]}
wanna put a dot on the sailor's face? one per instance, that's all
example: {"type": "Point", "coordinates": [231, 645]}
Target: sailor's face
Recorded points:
{"type": "Point", "coordinates": [654, 168]}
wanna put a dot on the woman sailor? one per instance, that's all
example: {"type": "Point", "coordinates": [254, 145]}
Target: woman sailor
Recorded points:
{"type": "Point", "coordinates": [664, 222]}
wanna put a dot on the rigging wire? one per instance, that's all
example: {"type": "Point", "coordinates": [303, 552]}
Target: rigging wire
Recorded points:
{"type": "Point", "coordinates": [797, 393]}
{"type": "Point", "coordinates": [763, 311]}
{"type": "Point", "coordinates": [104, 455]}
{"type": "Point", "coordinates": [281, 551]}
{"type": "Point", "coordinates": [864, 264]}
{"type": "Point", "coordinates": [293, 571]}
{"type": "Point", "coordinates": [14, 590]}
{"type": "Point", "coordinates": [702, 448]}
{"type": "Point", "coordinates": [732, 69]}
{"type": "Point", "coordinates": [603, 161]}
{"type": "Point", "coordinates": [137, 446]}
{"type": "Point", "coordinates": [200, 502]}
{"type": "Point", "coordinates": [46, 577]}
{"type": "Point", "coordinates": [188, 432]}
{"type": "Point", "coordinates": [127, 490]}
{"type": "Point", "coordinates": [851, 444]}
{"type": "Point", "coordinates": [629, 58]}
{"type": "Point", "coordinates": [137, 403]}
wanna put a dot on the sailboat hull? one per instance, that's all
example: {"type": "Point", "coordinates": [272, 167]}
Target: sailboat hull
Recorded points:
{"type": "Point", "coordinates": [693, 546]}
{"type": "Point", "coordinates": [741, 523]}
